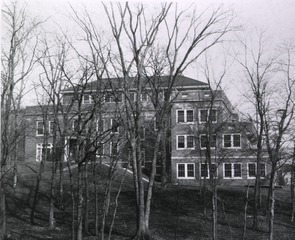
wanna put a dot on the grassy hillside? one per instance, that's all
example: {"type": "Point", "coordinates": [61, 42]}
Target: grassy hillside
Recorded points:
{"type": "Point", "coordinates": [177, 211]}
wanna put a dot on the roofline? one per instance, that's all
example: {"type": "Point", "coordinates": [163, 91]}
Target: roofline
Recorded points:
{"type": "Point", "coordinates": [178, 87]}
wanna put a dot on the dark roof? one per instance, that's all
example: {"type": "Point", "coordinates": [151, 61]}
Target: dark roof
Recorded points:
{"type": "Point", "coordinates": [33, 110]}
{"type": "Point", "coordinates": [115, 83]}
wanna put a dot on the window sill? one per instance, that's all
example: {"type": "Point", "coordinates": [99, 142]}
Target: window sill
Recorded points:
{"type": "Point", "coordinates": [186, 178]}
{"type": "Point", "coordinates": [208, 178]}
{"type": "Point", "coordinates": [230, 178]}
{"type": "Point", "coordinates": [232, 148]}
{"type": "Point", "coordinates": [207, 122]}
{"type": "Point", "coordinates": [185, 149]}
{"type": "Point", "coordinates": [251, 177]}
{"type": "Point", "coordinates": [184, 123]}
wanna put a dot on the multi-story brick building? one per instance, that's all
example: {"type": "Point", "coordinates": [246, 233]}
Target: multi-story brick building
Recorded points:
{"type": "Point", "coordinates": [232, 148]}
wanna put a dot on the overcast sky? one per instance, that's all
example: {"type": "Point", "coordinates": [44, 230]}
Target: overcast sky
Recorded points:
{"type": "Point", "coordinates": [277, 17]}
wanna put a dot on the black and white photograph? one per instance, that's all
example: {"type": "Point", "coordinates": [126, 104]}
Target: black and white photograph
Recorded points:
{"type": "Point", "coordinates": [147, 120]}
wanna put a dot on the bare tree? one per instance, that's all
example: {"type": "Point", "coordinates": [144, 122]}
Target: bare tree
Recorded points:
{"type": "Point", "coordinates": [277, 122]}
{"type": "Point", "coordinates": [18, 58]}
{"type": "Point", "coordinates": [292, 184]}
{"type": "Point", "coordinates": [258, 72]}
{"type": "Point", "coordinates": [52, 82]}
{"type": "Point", "coordinates": [180, 52]}
{"type": "Point", "coordinates": [274, 109]}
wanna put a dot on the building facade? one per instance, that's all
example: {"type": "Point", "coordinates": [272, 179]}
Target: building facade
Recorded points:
{"type": "Point", "coordinates": [203, 129]}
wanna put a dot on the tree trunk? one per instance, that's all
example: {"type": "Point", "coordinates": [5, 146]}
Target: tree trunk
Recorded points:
{"type": "Point", "coordinates": [39, 176]}
{"type": "Point", "coordinates": [73, 227]}
{"type": "Point", "coordinates": [86, 223]}
{"type": "Point", "coordinates": [256, 196]}
{"type": "Point", "coordinates": [151, 181]}
{"type": "Point", "coordinates": [106, 204]}
{"type": "Point", "coordinates": [245, 213]}
{"type": "Point", "coordinates": [52, 200]}
{"type": "Point", "coordinates": [73, 220]}
{"type": "Point", "coordinates": [80, 204]}
{"type": "Point", "coordinates": [292, 185]}
{"type": "Point", "coordinates": [141, 231]}
{"type": "Point", "coordinates": [214, 211]}
{"type": "Point", "coordinates": [116, 205]}
{"type": "Point", "coordinates": [51, 211]}
{"type": "Point", "coordinates": [164, 157]}
{"type": "Point", "coordinates": [61, 189]}
{"type": "Point", "coordinates": [271, 202]}
{"type": "Point", "coordinates": [2, 211]}
{"type": "Point", "coordinates": [95, 200]}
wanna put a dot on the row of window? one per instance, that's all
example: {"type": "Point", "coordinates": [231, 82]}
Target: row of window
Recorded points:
{"type": "Point", "coordinates": [100, 126]}
{"type": "Point", "coordinates": [188, 141]}
{"type": "Point", "coordinates": [111, 98]}
{"type": "Point", "coordinates": [230, 170]}
{"type": "Point", "coordinates": [204, 115]}
{"type": "Point", "coordinates": [43, 150]}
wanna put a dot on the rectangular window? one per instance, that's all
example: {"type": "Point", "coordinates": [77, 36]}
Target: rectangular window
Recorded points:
{"type": "Point", "coordinates": [213, 116]}
{"type": "Point", "coordinates": [86, 99]}
{"type": "Point", "coordinates": [100, 149]}
{"type": "Point", "coordinates": [203, 141]}
{"type": "Point", "coordinates": [185, 170]}
{"type": "Point", "coordinates": [75, 125]}
{"type": "Point", "coordinates": [189, 141]}
{"type": "Point", "coordinates": [114, 126]}
{"type": "Point", "coordinates": [185, 116]}
{"type": "Point", "coordinates": [40, 128]}
{"type": "Point", "coordinates": [205, 170]}
{"type": "Point", "coordinates": [232, 140]}
{"type": "Point", "coordinates": [43, 152]}
{"type": "Point", "coordinates": [132, 97]}
{"type": "Point", "coordinates": [180, 142]}
{"type": "Point", "coordinates": [232, 170]}
{"type": "Point", "coordinates": [108, 98]}
{"type": "Point", "coordinates": [180, 116]}
{"type": "Point", "coordinates": [236, 140]}
{"type": "Point", "coordinates": [185, 142]}
{"type": "Point", "coordinates": [119, 97]}
{"type": "Point", "coordinates": [227, 141]}
{"type": "Point", "coordinates": [262, 170]}
{"type": "Point", "coordinates": [144, 97]}
{"type": "Point", "coordinates": [206, 116]}
{"type": "Point", "coordinates": [237, 170]}
{"type": "Point", "coordinates": [85, 126]}
{"type": "Point", "coordinates": [190, 170]}
{"type": "Point", "coordinates": [180, 170]}
{"type": "Point", "coordinates": [51, 127]}
{"type": "Point", "coordinates": [251, 170]}
{"type": "Point", "coordinates": [114, 148]}
{"type": "Point", "coordinates": [189, 115]}
{"type": "Point", "coordinates": [100, 125]}
{"type": "Point", "coordinates": [227, 170]}
{"type": "Point", "coordinates": [142, 133]}
{"type": "Point", "coordinates": [203, 115]}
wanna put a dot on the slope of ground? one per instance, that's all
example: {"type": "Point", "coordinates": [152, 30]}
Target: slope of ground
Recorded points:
{"type": "Point", "coordinates": [177, 212]}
